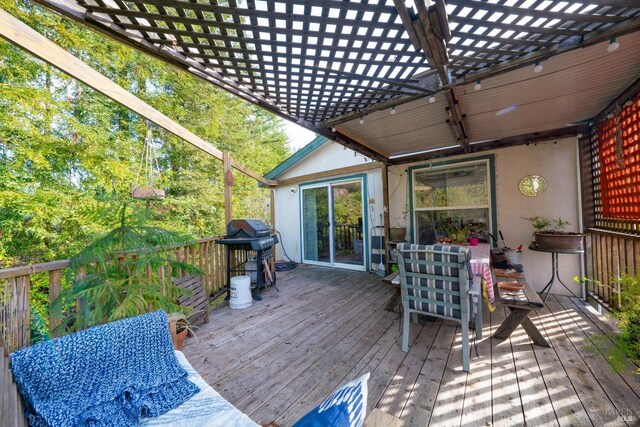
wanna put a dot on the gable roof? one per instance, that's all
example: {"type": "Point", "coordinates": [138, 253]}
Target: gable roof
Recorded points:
{"type": "Point", "coordinates": [296, 157]}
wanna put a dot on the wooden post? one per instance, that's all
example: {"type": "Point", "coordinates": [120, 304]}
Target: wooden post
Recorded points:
{"type": "Point", "coordinates": [385, 210]}
{"type": "Point", "coordinates": [55, 279]}
{"type": "Point", "coordinates": [228, 183]}
{"type": "Point", "coordinates": [272, 206]}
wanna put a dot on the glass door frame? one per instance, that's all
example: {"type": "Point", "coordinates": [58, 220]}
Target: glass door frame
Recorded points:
{"type": "Point", "coordinates": [362, 179]}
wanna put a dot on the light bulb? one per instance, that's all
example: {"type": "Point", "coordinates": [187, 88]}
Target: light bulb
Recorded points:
{"type": "Point", "coordinates": [477, 86]}
{"type": "Point", "coordinates": [333, 129]}
{"type": "Point", "coordinates": [432, 99]}
{"type": "Point", "coordinates": [579, 136]}
{"type": "Point", "coordinates": [393, 110]}
{"type": "Point", "coordinates": [538, 67]}
{"type": "Point", "coordinates": [361, 120]}
{"type": "Point", "coordinates": [613, 45]}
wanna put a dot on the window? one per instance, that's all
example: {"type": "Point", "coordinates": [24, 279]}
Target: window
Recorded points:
{"type": "Point", "coordinates": [444, 198]}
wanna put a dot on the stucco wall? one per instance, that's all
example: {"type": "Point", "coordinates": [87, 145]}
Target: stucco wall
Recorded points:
{"type": "Point", "coordinates": [557, 163]}
{"type": "Point", "coordinates": [327, 157]}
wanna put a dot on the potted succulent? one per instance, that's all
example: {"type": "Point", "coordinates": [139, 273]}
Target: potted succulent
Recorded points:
{"type": "Point", "coordinates": [551, 234]}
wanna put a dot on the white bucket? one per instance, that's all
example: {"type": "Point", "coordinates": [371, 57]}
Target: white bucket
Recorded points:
{"type": "Point", "coordinates": [240, 292]}
{"type": "Point", "coordinates": [513, 256]}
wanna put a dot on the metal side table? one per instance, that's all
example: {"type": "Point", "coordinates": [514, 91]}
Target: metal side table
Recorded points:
{"type": "Point", "coordinates": [554, 268]}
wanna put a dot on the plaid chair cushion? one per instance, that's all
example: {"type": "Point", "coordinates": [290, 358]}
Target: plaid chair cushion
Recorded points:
{"type": "Point", "coordinates": [432, 287]}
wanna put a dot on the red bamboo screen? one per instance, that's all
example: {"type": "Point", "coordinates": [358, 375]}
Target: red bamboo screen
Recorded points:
{"type": "Point", "coordinates": [619, 152]}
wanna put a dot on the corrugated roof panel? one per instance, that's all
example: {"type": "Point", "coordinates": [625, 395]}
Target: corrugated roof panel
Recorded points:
{"type": "Point", "coordinates": [415, 124]}
{"type": "Point", "coordinates": [572, 87]}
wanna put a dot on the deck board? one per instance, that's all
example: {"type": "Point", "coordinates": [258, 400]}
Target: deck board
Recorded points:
{"type": "Point", "coordinates": [279, 358]}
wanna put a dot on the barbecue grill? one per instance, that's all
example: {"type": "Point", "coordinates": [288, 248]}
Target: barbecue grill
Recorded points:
{"type": "Point", "coordinates": [245, 236]}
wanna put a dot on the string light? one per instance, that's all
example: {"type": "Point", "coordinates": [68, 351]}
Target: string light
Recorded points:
{"type": "Point", "coordinates": [393, 110]}
{"type": "Point", "coordinates": [477, 86]}
{"type": "Point", "coordinates": [432, 99]}
{"type": "Point", "coordinates": [538, 67]}
{"type": "Point", "coordinates": [361, 120]}
{"type": "Point", "coordinates": [613, 45]}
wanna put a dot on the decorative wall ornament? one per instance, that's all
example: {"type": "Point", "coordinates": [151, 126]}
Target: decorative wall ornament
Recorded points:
{"type": "Point", "coordinates": [532, 185]}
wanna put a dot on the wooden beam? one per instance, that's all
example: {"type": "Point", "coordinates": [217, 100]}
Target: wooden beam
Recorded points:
{"type": "Point", "coordinates": [350, 142]}
{"type": "Point", "coordinates": [272, 208]}
{"type": "Point", "coordinates": [512, 141]}
{"type": "Point", "coordinates": [405, 17]}
{"type": "Point", "coordinates": [385, 214]}
{"type": "Point", "coordinates": [618, 102]}
{"type": "Point", "coordinates": [228, 184]}
{"type": "Point", "coordinates": [455, 121]}
{"type": "Point", "coordinates": [330, 173]}
{"type": "Point", "coordinates": [23, 36]}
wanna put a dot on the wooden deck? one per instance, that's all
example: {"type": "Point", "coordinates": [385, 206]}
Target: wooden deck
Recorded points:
{"type": "Point", "coordinates": [279, 358]}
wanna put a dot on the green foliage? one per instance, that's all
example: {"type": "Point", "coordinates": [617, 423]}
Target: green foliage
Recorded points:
{"type": "Point", "coordinates": [628, 314]}
{"type": "Point", "coordinates": [117, 275]}
{"type": "Point", "coordinates": [65, 149]}
{"type": "Point", "coordinates": [540, 223]}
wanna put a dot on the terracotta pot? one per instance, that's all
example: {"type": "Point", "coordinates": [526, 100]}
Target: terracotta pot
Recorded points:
{"type": "Point", "coordinates": [566, 241]}
{"type": "Point", "coordinates": [180, 337]}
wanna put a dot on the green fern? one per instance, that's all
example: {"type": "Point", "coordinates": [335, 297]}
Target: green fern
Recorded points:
{"type": "Point", "coordinates": [117, 275]}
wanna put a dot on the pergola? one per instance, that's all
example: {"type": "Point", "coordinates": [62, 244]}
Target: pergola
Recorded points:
{"type": "Point", "coordinates": [395, 81]}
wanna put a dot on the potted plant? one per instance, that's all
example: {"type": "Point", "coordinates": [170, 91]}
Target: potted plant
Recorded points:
{"type": "Point", "coordinates": [118, 274]}
{"type": "Point", "coordinates": [551, 234]}
{"type": "Point", "coordinates": [182, 331]}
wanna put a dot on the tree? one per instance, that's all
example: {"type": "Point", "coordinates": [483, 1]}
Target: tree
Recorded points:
{"type": "Point", "coordinates": [66, 151]}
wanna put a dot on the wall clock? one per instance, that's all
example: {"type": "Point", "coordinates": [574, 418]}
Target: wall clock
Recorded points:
{"type": "Point", "coordinates": [532, 185]}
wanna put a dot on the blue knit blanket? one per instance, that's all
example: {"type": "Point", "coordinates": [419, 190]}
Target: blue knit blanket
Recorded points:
{"type": "Point", "coordinates": [109, 375]}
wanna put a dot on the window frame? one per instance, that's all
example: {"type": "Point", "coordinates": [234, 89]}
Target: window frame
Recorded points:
{"type": "Point", "coordinates": [489, 160]}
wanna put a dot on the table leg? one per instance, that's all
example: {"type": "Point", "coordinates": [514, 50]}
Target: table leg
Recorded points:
{"type": "Point", "coordinates": [554, 272]}
{"type": "Point", "coordinates": [520, 316]}
{"type": "Point", "coordinates": [393, 301]}
{"type": "Point", "coordinates": [534, 333]}
{"type": "Point", "coordinates": [510, 324]}
{"type": "Point", "coordinates": [554, 275]}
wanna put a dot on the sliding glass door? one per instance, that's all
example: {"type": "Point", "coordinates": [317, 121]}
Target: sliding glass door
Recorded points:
{"type": "Point", "coordinates": [332, 224]}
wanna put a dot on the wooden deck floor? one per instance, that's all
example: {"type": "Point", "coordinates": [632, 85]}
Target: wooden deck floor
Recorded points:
{"type": "Point", "coordinates": [279, 358]}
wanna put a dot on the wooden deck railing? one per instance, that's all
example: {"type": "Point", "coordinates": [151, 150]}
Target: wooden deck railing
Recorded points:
{"type": "Point", "coordinates": [609, 255]}
{"type": "Point", "coordinates": [16, 283]}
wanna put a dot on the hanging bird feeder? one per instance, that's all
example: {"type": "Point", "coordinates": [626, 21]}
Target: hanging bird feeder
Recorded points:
{"type": "Point", "coordinates": [148, 173]}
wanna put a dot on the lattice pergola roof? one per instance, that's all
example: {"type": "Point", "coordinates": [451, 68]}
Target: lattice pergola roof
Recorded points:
{"type": "Point", "coordinates": [317, 62]}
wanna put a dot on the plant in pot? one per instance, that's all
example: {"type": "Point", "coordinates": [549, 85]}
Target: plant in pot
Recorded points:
{"type": "Point", "coordinates": [123, 273]}
{"type": "Point", "coordinates": [551, 234]}
{"type": "Point", "coordinates": [183, 329]}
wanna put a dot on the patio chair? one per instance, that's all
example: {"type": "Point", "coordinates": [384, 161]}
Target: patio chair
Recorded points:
{"type": "Point", "coordinates": [435, 280]}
